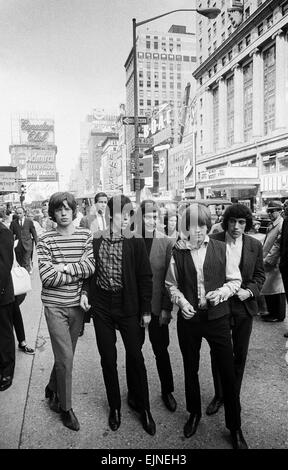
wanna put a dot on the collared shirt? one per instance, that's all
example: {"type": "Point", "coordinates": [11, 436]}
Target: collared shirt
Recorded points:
{"type": "Point", "coordinates": [234, 248]}
{"type": "Point", "coordinates": [109, 263]}
{"type": "Point", "coordinates": [229, 288]}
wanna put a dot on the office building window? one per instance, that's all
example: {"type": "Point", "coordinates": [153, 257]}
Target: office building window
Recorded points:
{"type": "Point", "coordinates": [156, 84]}
{"type": "Point", "coordinates": [285, 8]}
{"type": "Point", "coordinates": [186, 58]}
{"type": "Point", "coordinates": [215, 68]}
{"type": "Point", "coordinates": [148, 84]}
{"type": "Point", "coordinates": [214, 45]}
{"type": "Point", "coordinates": [179, 85]}
{"type": "Point", "coordinates": [269, 164]}
{"type": "Point", "coordinates": [223, 60]}
{"type": "Point", "coordinates": [148, 102]}
{"type": "Point", "coordinates": [200, 44]}
{"type": "Point", "coordinates": [230, 110]}
{"type": "Point", "coordinates": [269, 21]}
{"type": "Point", "coordinates": [209, 34]}
{"type": "Point", "coordinates": [223, 37]}
{"type": "Point", "coordinates": [269, 61]}
{"type": "Point", "coordinates": [163, 84]}
{"type": "Point", "coordinates": [155, 45]}
{"type": "Point", "coordinates": [209, 51]}
{"type": "Point", "coordinates": [215, 118]}
{"type": "Point", "coordinates": [248, 39]}
{"type": "Point", "coordinates": [148, 44]}
{"type": "Point", "coordinates": [200, 59]}
{"type": "Point", "coordinates": [248, 100]}
{"type": "Point", "coordinates": [247, 13]}
{"type": "Point", "coordinates": [230, 55]}
{"type": "Point", "coordinates": [223, 18]}
{"type": "Point", "coordinates": [141, 102]}
{"type": "Point", "coordinates": [283, 163]}
{"type": "Point", "coordinates": [164, 75]}
{"type": "Point", "coordinates": [140, 83]}
{"type": "Point", "coordinates": [229, 30]}
{"type": "Point", "coordinates": [260, 29]}
{"type": "Point", "coordinates": [209, 73]}
{"type": "Point", "coordinates": [240, 46]}
{"type": "Point", "coordinates": [200, 26]}
{"type": "Point", "coordinates": [171, 85]}
{"type": "Point", "coordinates": [156, 102]}
{"type": "Point", "coordinates": [178, 47]}
{"type": "Point", "coordinates": [214, 28]}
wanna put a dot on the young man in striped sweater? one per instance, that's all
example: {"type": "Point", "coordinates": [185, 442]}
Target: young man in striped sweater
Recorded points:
{"type": "Point", "coordinates": [65, 258]}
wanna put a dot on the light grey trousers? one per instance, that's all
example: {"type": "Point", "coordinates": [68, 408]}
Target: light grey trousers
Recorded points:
{"type": "Point", "coordinates": [64, 325]}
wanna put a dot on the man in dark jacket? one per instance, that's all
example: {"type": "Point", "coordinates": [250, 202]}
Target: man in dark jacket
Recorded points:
{"type": "Point", "coordinates": [248, 254]}
{"type": "Point", "coordinates": [120, 292]}
{"type": "Point", "coordinates": [200, 280]}
{"type": "Point", "coordinates": [23, 229]}
{"type": "Point", "coordinates": [7, 342]}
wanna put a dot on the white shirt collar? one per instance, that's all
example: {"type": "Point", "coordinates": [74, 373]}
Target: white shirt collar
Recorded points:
{"type": "Point", "coordinates": [232, 240]}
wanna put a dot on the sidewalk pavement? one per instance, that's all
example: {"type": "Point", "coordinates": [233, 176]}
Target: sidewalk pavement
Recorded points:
{"type": "Point", "coordinates": [28, 423]}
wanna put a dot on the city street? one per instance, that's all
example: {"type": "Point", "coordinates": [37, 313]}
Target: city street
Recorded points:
{"type": "Point", "coordinates": [28, 423]}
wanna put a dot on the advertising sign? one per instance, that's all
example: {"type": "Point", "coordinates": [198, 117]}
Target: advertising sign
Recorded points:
{"type": "Point", "coordinates": [8, 181]}
{"type": "Point", "coordinates": [32, 131]}
{"type": "Point", "coordinates": [41, 165]}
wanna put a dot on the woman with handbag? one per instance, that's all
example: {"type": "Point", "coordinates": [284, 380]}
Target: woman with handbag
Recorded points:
{"type": "Point", "coordinates": [6, 218]}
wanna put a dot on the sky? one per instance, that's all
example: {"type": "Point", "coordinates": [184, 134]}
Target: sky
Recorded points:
{"type": "Point", "coordinates": [62, 58]}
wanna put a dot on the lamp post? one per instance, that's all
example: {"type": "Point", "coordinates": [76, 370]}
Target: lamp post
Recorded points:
{"type": "Point", "coordinates": [209, 13]}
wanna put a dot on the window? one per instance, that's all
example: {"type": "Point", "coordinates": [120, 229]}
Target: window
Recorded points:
{"type": "Point", "coordinates": [156, 102]}
{"type": "Point", "coordinates": [148, 102]}
{"type": "Point", "coordinates": [140, 83]}
{"type": "Point", "coordinates": [269, 165]}
{"type": "Point", "coordinates": [164, 56]}
{"type": "Point", "coordinates": [200, 44]}
{"type": "Point", "coordinates": [229, 30]}
{"type": "Point", "coordinates": [186, 58]}
{"type": "Point", "coordinates": [200, 81]}
{"type": "Point", "coordinates": [260, 29]}
{"type": "Point", "coordinates": [223, 60]}
{"type": "Point", "coordinates": [269, 62]}
{"type": "Point", "coordinates": [247, 13]}
{"type": "Point", "coordinates": [285, 8]}
{"type": "Point", "coordinates": [164, 75]}
{"type": "Point", "coordinates": [178, 47]}
{"type": "Point", "coordinates": [215, 118]}
{"type": "Point", "coordinates": [215, 68]}
{"type": "Point", "coordinates": [156, 84]}
{"type": "Point", "coordinates": [209, 51]}
{"type": "Point", "coordinates": [283, 163]}
{"type": "Point", "coordinates": [148, 44]}
{"type": "Point", "coordinates": [214, 45]}
{"type": "Point", "coordinates": [179, 85]}
{"type": "Point", "coordinates": [200, 26]}
{"type": "Point", "coordinates": [148, 84]}
{"type": "Point", "coordinates": [269, 21]}
{"type": "Point", "coordinates": [155, 45]}
{"type": "Point", "coordinates": [201, 102]}
{"type": "Point", "coordinates": [141, 102]}
{"type": "Point", "coordinates": [210, 73]}
{"type": "Point", "coordinates": [214, 28]}
{"type": "Point", "coordinates": [223, 18]}
{"type": "Point", "coordinates": [200, 59]}
{"type": "Point", "coordinates": [163, 84]}
{"type": "Point", "coordinates": [140, 73]}
{"type": "Point", "coordinates": [248, 100]}
{"type": "Point", "coordinates": [248, 39]}
{"type": "Point", "coordinates": [230, 110]}
{"type": "Point", "coordinates": [209, 34]}
{"type": "Point", "coordinates": [171, 76]}
{"type": "Point", "coordinates": [140, 55]}
{"type": "Point", "coordinates": [223, 37]}
{"type": "Point", "coordinates": [178, 57]}
{"type": "Point", "coordinates": [171, 85]}
{"type": "Point", "coordinates": [240, 46]}
{"type": "Point", "coordinates": [230, 55]}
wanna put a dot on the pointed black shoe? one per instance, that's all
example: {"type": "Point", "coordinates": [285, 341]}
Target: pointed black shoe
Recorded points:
{"type": "Point", "coordinates": [169, 401]}
{"type": "Point", "coordinates": [214, 406]}
{"type": "Point", "coordinates": [148, 422]}
{"type": "Point", "coordinates": [5, 382]}
{"type": "Point", "coordinates": [114, 419]}
{"type": "Point", "coordinates": [191, 426]}
{"type": "Point", "coordinates": [238, 441]}
{"type": "Point", "coordinates": [69, 420]}
{"type": "Point", "coordinates": [48, 392]}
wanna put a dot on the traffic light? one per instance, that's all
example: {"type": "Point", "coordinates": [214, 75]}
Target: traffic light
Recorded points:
{"type": "Point", "coordinates": [23, 189]}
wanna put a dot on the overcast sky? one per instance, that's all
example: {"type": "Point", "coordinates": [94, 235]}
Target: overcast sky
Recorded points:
{"type": "Point", "coordinates": [65, 57]}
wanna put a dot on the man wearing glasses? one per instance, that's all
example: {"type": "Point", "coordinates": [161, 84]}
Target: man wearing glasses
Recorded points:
{"type": "Point", "coordinates": [247, 253]}
{"type": "Point", "coordinates": [273, 288]}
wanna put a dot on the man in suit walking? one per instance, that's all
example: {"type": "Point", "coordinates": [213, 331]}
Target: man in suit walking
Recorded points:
{"type": "Point", "coordinates": [247, 253]}
{"type": "Point", "coordinates": [273, 288]}
{"type": "Point", "coordinates": [24, 231]}
{"type": "Point", "coordinates": [96, 219]}
{"type": "Point", "coordinates": [200, 278]}
{"type": "Point", "coordinates": [7, 342]}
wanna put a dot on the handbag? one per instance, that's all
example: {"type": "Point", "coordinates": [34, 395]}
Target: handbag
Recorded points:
{"type": "Point", "coordinates": [21, 280]}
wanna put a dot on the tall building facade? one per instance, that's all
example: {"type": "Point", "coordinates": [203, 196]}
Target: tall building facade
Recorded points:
{"type": "Point", "coordinates": [165, 62]}
{"type": "Point", "coordinates": [241, 125]}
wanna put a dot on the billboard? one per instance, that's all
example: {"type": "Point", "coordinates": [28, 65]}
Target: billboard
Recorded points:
{"type": "Point", "coordinates": [41, 165]}
{"type": "Point", "coordinates": [32, 131]}
{"type": "Point", "coordinates": [8, 179]}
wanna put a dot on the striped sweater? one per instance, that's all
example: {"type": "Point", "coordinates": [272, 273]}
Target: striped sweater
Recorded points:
{"type": "Point", "coordinates": [53, 248]}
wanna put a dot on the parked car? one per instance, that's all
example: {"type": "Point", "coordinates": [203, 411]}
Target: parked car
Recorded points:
{"type": "Point", "coordinates": [264, 221]}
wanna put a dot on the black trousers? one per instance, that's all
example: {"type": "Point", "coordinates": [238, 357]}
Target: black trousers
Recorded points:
{"type": "Point", "coordinates": [7, 341]}
{"type": "Point", "coordinates": [276, 305]}
{"type": "Point", "coordinates": [159, 338]}
{"type": "Point", "coordinates": [217, 333]}
{"type": "Point", "coordinates": [17, 318]}
{"type": "Point", "coordinates": [107, 316]}
{"type": "Point", "coordinates": [241, 327]}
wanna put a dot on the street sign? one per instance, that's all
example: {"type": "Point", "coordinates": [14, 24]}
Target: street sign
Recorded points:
{"type": "Point", "coordinates": [130, 120]}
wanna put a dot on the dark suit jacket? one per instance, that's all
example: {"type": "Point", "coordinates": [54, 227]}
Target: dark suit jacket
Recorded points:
{"type": "Point", "coordinates": [6, 262]}
{"type": "Point", "coordinates": [23, 234]}
{"type": "Point", "coordinates": [283, 266]}
{"type": "Point", "coordinates": [136, 277]}
{"type": "Point", "coordinates": [251, 268]}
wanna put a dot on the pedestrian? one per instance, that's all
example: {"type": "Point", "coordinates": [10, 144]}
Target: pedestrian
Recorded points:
{"type": "Point", "coordinates": [7, 342]}
{"type": "Point", "coordinates": [6, 219]}
{"type": "Point", "coordinates": [219, 209]}
{"type": "Point", "coordinates": [159, 248]}
{"type": "Point", "coordinates": [46, 221]}
{"type": "Point", "coordinates": [78, 217]}
{"type": "Point", "coordinates": [24, 231]}
{"type": "Point", "coordinates": [273, 288]}
{"type": "Point", "coordinates": [171, 224]}
{"type": "Point", "coordinates": [200, 280]}
{"type": "Point", "coordinates": [96, 219]}
{"type": "Point", "coordinates": [248, 254]}
{"type": "Point", "coordinates": [283, 265]}
{"type": "Point", "coordinates": [65, 259]}
{"type": "Point", "coordinates": [120, 293]}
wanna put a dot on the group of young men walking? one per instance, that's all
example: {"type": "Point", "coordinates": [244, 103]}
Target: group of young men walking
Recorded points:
{"type": "Point", "coordinates": [126, 277]}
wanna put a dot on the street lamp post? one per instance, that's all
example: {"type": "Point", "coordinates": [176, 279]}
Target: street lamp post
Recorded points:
{"type": "Point", "coordinates": [209, 13]}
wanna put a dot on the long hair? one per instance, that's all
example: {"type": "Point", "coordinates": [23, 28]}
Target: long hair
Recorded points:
{"type": "Point", "coordinates": [238, 211]}
{"type": "Point", "coordinates": [56, 202]}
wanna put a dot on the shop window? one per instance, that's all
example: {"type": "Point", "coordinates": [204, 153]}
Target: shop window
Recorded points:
{"type": "Point", "coordinates": [283, 163]}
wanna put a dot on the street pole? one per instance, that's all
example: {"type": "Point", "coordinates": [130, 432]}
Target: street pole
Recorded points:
{"type": "Point", "coordinates": [136, 138]}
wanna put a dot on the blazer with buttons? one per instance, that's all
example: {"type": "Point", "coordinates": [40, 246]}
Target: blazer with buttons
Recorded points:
{"type": "Point", "coordinates": [6, 262]}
